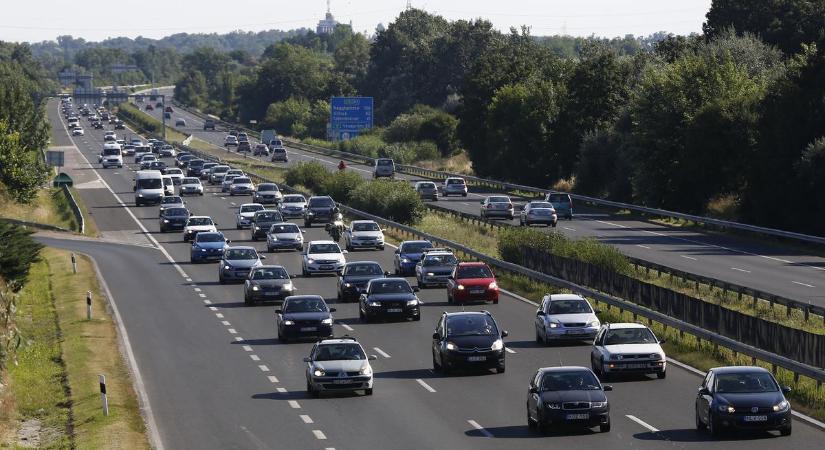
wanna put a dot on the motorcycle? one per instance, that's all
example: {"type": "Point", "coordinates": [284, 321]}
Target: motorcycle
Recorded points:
{"type": "Point", "coordinates": [336, 227]}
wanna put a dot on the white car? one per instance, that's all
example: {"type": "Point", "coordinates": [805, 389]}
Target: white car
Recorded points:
{"type": "Point", "coordinates": [109, 136]}
{"type": "Point", "coordinates": [191, 186]}
{"type": "Point", "coordinates": [284, 235]}
{"type": "Point", "coordinates": [241, 186]}
{"type": "Point", "coordinates": [338, 365]}
{"type": "Point", "coordinates": [322, 257]}
{"type": "Point", "coordinates": [292, 205]}
{"type": "Point", "coordinates": [77, 132]}
{"type": "Point", "coordinates": [627, 348]}
{"type": "Point", "coordinates": [175, 173]}
{"type": "Point", "coordinates": [230, 141]}
{"type": "Point", "coordinates": [565, 317]}
{"type": "Point", "coordinates": [245, 213]}
{"type": "Point", "coordinates": [364, 234]}
{"type": "Point", "coordinates": [197, 224]}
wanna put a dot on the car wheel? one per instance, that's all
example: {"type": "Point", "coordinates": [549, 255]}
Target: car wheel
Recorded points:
{"type": "Point", "coordinates": [500, 369]}
{"type": "Point", "coordinates": [417, 318]}
{"type": "Point", "coordinates": [307, 224]}
{"type": "Point", "coordinates": [312, 392]}
{"type": "Point", "coordinates": [699, 424]}
{"type": "Point", "coordinates": [495, 302]}
{"type": "Point", "coordinates": [222, 281]}
{"type": "Point", "coordinates": [539, 340]}
{"type": "Point", "coordinates": [605, 427]}
{"type": "Point", "coordinates": [237, 226]}
{"type": "Point", "coordinates": [786, 431]}
{"type": "Point", "coordinates": [554, 224]}
{"type": "Point", "coordinates": [368, 391]}
{"type": "Point", "coordinates": [247, 301]}
{"type": "Point", "coordinates": [464, 194]}
{"type": "Point", "coordinates": [531, 424]}
{"type": "Point", "coordinates": [661, 375]}
{"type": "Point", "coordinates": [436, 365]}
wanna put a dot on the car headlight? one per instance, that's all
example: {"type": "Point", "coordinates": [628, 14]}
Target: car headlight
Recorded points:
{"type": "Point", "coordinates": [327, 321]}
{"type": "Point", "coordinates": [781, 406]}
{"type": "Point", "coordinates": [256, 288]}
{"type": "Point", "coordinates": [374, 303]}
{"type": "Point", "coordinates": [726, 409]}
{"type": "Point", "coordinates": [310, 213]}
{"type": "Point", "coordinates": [165, 221]}
{"type": "Point", "coordinates": [451, 346]}
{"type": "Point", "coordinates": [366, 370]}
{"type": "Point", "coordinates": [310, 261]}
{"type": "Point", "coordinates": [405, 260]}
{"type": "Point", "coordinates": [497, 345]}
{"type": "Point", "coordinates": [347, 285]}
{"type": "Point", "coordinates": [430, 274]}
{"type": "Point", "coordinates": [287, 286]}
{"type": "Point", "coordinates": [412, 302]}
{"type": "Point", "coordinates": [598, 404]}
{"type": "Point", "coordinates": [319, 372]}
{"type": "Point", "coordinates": [227, 267]}
{"type": "Point", "coordinates": [553, 405]}
{"type": "Point", "coordinates": [493, 286]}
{"type": "Point", "coordinates": [553, 325]}
{"type": "Point", "coordinates": [140, 195]}
{"type": "Point", "coordinates": [289, 322]}
{"type": "Point", "coordinates": [593, 323]}
{"type": "Point", "coordinates": [460, 287]}
{"type": "Point", "coordinates": [257, 227]}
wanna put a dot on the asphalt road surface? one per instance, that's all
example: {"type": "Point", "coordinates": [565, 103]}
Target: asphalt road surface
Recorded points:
{"type": "Point", "coordinates": [217, 377]}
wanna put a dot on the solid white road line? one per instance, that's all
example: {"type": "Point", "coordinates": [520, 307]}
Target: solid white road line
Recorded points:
{"type": "Point", "coordinates": [424, 385]}
{"type": "Point", "coordinates": [319, 435]}
{"type": "Point", "coordinates": [609, 223]}
{"type": "Point", "coordinates": [263, 368]}
{"type": "Point", "coordinates": [254, 357]}
{"type": "Point", "coordinates": [381, 352]}
{"type": "Point", "coordinates": [272, 379]}
{"type": "Point", "coordinates": [642, 423]}
{"type": "Point", "coordinates": [509, 350]}
{"type": "Point", "coordinates": [568, 228]}
{"type": "Point", "coordinates": [294, 404]}
{"type": "Point", "coordinates": [478, 427]}
{"type": "Point", "coordinates": [643, 246]}
{"type": "Point", "coordinates": [306, 418]}
{"type": "Point", "coordinates": [247, 348]}
{"type": "Point", "coordinates": [688, 257]}
{"type": "Point", "coordinates": [740, 270]}
{"type": "Point", "coordinates": [803, 284]}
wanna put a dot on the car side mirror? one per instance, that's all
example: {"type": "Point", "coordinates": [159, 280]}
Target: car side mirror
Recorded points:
{"type": "Point", "coordinates": [345, 252]}
{"type": "Point", "coordinates": [607, 388]}
{"type": "Point", "coordinates": [436, 336]}
{"type": "Point", "coordinates": [307, 359]}
{"type": "Point", "coordinates": [397, 251]}
{"type": "Point", "coordinates": [505, 333]}
{"type": "Point", "coordinates": [262, 256]}
{"type": "Point", "coordinates": [786, 389]}
{"type": "Point", "coordinates": [416, 289]}
{"type": "Point", "coordinates": [279, 311]}
{"type": "Point", "coordinates": [704, 391]}
{"type": "Point", "coordinates": [482, 202]}
{"type": "Point", "coordinates": [332, 310]}
{"type": "Point", "coordinates": [540, 313]}
{"type": "Point", "coordinates": [372, 357]}
{"type": "Point", "coordinates": [386, 273]}
{"type": "Point", "coordinates": [533, 390]}
{"type": "Point", "coordinates": [228, 241]}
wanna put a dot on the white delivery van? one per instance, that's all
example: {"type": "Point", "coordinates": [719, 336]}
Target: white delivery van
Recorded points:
{"type": "Point", "coordinates": [111, 155]}
{"type": "Point", "coordinates": [148, 187]}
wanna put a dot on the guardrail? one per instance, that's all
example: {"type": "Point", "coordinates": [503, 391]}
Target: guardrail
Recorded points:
{"type": "Point", "coordinates": [78, 215]}
{"type": "Point", "coordinates": [513, 187]}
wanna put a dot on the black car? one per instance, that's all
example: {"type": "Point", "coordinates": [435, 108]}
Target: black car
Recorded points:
{"type": "Point", "coordinates": [98, 125]}
{"type": "Point", "coordinates": [742, 398]}
{"type": "Point", "coordinates": [267, 283]}
{"type": "Point", "coordinates": [182, 161]}
{"type": "Point", "coordinates": [567, 397]}
{"type": "Point", "coordinates": [303, 316]}
{"type": "Point", "coordinates": [157, 165]}
{"type": "Point", "coordinates": [194, 168]}
{"type": "Point", "coordinates": [173, 219]}
{"type": "Point", "coordinates": [389, 298]}
{"type": "Point", "coordinates": [120, 125]}
{"type": "Point", "coordinates": [261, 222]}
{"type": "Point", "coordinates": [468, 340]}
{"type": "Point", "coordinates": [354, 278]}
{"type": "Point", "coordinates": [319, 209]}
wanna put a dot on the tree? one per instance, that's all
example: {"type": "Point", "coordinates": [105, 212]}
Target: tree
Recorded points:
{"type": "Point", "coordinates": [352, 58]}
{"type": "Point", "coordinates": [289, 117]}
{"type": "Point", "coordinates": [18, 253]}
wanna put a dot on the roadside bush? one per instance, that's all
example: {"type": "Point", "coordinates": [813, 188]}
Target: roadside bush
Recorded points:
{"type": "Point", "coordinates": [312, 175]}
{"type": "Point", "coordinates": [393, 200]}
{"type": "Point", "coordinates": [512, 240]}
{"type": "Point", "coordinates": [425, 123]}
{"type": "Point", "coordinates": [341, 185]}
{"type": "Point", "coordinates": [368, 145]}
{"type": "Point", "coordinates": [18, 253]}
{"type": "Point", "coordinates": [320, 143]}
{"type": "Point", "coordinates": [129, 112]}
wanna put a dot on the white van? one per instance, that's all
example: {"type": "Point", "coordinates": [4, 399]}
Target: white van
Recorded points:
{"type": "Point", "coordinates": [111, 155]}
{"type": "Point", "coordinates": [148, 187]}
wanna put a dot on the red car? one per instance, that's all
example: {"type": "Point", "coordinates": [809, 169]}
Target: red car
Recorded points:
{"type": "Point", "coordinates": [149, 108]}
{"type": "Point", "coordinates": [471, 282]}
{"type": "Point", "coordinates": [169, 109]}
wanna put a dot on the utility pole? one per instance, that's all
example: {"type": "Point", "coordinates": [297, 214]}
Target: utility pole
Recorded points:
{"type": "Point", "coordinates": [409, 5]}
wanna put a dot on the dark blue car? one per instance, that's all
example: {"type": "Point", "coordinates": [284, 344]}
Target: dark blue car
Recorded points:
{"type": "Point", "coordinates": [207, 247]}
{"type": "Point", "coordinates": [304, 316]}
{"type": "Point", "coordinates": [742, 398]}
{"type": "Point", "coordinates": [408, 255]}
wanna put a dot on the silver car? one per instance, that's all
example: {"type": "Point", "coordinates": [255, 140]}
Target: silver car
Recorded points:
{"type": "Point", "coordinates": [241, 186]}
{"type": "Point", "coordinates": [227, 181]}
{"type": "Point", "coordinates": [171, 201]}
{"type": "Point", "coordinates": [237, 262]}
{"type": "Point", "coordinates": [565, 317]}
{"type": "Point", "coordinates": [284, 236]}
{"type": "Point", "coordinates": [217, 173]}
{"type": "Point", "coordinates": [497, 206]}
{"type": "Point", "coordinates": [384, 167]}
{"type": "Point", "coordinates": [338, 365]}
{"type": "Point", "coordinates": [267, 193]}
{"type": "Point", "coordinates": [364, 234]}
{"type": "Point", "coordinates": [191, 186]}
{"type": "Point", "coordinates": [454, 186]}
{"type": "Point", "coordinates": [427, 190]}
{"type": "Point", "coordinates": [245, 214]}
{"type": "Point", "coordinates": [293, 206]}
{"type": "Point", "coordinates": [538, 213]}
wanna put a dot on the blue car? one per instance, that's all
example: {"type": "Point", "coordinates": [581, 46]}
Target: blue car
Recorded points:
{"type": "Point", "coordinates": [207, 247]}
{"type": "Point", "coordinates": [408, 254]}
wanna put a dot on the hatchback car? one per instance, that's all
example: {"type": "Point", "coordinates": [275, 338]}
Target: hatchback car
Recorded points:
{"type": "Point", "coordinates": [207, 246]}
{"type": "Point", "coordinates": [354, 278]}
{"type": "Point", "coordinates": [206, 170]}
{"type": "Point", "coordinates": [279, 155]}
{"type": "Point", "coordinates": [454, 186]}
{"type": "Point", "coordinates": [497, 206]}
{"type": "Point", "coordinates": [304, 316]}
{"type": "Point", "coordinates": [408, 254]}
{"type": "Point", "coordinates": [191, 186]}
{"type": "Point", "coordinates": [227, 181]}
{"type": "Point", "coordinates": [243, 146]}
{"type": "Point", "coordinates": [472, 282]}
{"type": "Point", "coordinates": [563, 317]}
{"type": "Point", "coordinates": [364, 234]}
{"type": "Point", "coordinates": [245, 213]}
{"type": "Point", "coordinates": [435, 267]}
{"type": "Point", "coordinates": [389, 298]}
{"type": "Point", "coordinates": [538, 213]}
{"type": "Point", "coordinates": [241, 186]}
{"type": "Point", "coordinates": [338, 365]}
{"type": "Point", "coordinates": [180, 122]}
{"type": "Point", "coordinates": [267, 283]}
{"type": "Point", "coordinates": [562, 203]}
{"type": "Point", "coordinates": [217, 173]}
{"type": "Point", "coordinates": [742, 398]}
{"type": "Point", "coordinates": [292, 205]}
{"type": "Point", "coordinates": [230, 141]}
{"type": "Point", "coordinates": [468, 340]}
{"type": "Point", "coordinates": [284, 236]}
{"type": "Point", "coordinates": [260, 150]}
{"type": "Point", "coordinates": [237, 262]}
{"type": "Point", "coordinates": [267, 193]}
{"type": "Point", "coordinates": [198, 224]}
{"type": "Point", "coordinates": [427, 190]}
{"type": "Point", "coordinates": [384, 167]}
{"type": "Point", "coordinates": [322, 257]}
{"type": "Point", "coordinates": [319, 209]}
{"type": "Point", "coordinates": [627, 348]}
{"type": "Point", "coordinates": [262, 221]}
{"type": "Point", "coordinates": [567, 396]}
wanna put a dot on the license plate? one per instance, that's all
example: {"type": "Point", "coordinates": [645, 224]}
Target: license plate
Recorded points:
{"type": "Point", "coordinates": [636, 366]}
{"type": "Point", "coordinates": [476, 291]}
{"type": "Point", "coordinates": [577, 416]}
{"type": "Point", "coordinates": [756, 418]}
{"type": "Point", "coordinates": [271, 294]}
{"type": "Point", "coordinates": [573, 332]}
{"type": "Point", "coordinates": [326, 267]}
{"type": "Point", "coordinates": [476, 358]}
{"type": "Point", "coordinates": [342, 382]}
{"type": "Point", "coordinates": [394, 310]}
{"type": "Point", "coordinates": [309, 328]}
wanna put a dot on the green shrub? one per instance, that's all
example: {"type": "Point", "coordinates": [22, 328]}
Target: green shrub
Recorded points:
{"type": "Point", "coordinates": [393, 200]}
{"type": "Point", "coordinates": [133, 114]}
{"type": "Point", "coordinates": [312, 175]}
{"type": "Point", "coordinates": [19, 252]}
{"type": "Point", "coordinates": [425, 123]}
{"type": "Point", "coordinates": [341, 185]}
{"type": "Point", "coordinates": [512, 240]}
{"type": "Point", "coordinates": [368, 145]}
{"type": "Point", "coordinates": [320, 143]}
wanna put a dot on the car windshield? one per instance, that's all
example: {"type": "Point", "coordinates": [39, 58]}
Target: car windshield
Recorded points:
{"type": "Point", "coordinates": [150, 183]}
{"type": "Point", "coordinates": [285, 228]}
{"type": "Point", "coordinates": [219, 169]}
{"type": "Point", "coordinates": [455, 181]}
{"type": "Point", "coordinates": [111, 151]}
{"type": "Point", "coordinates": [365, 226]}
{"type": "Point", "coordinates": [499, 200]}
{"type": "Point", "coordinates": [415, 247]}
{"type": "Point", "coordinates": [305, 304]}
{"type": "Point", "coordinates": [237, 172]}
{"type": "Point", "coordinates": [390, 287]}
{"type": "Point", "coordinates": [229, 177]}
{"type": "Point", "coordinates": [294, 199]}
{"type": "Point", "coordinates": [171, 200]}
{"type": "Point", "coordinates": [362, 269]}
{"type": "Point", "coordinates": [629, 336]}
{"type": "Point", "coordinates": [471, 325]}
{"type": "Point", "coordinates": [241, 180]}
{"type": "Point", "coordinates": [338, 352]}
{"type": "Point", "coordinates": [569, 307]}
{"type": "Point", "coordinates": [580, 380]}
{"type": "Point", "coordinates": [196, 163]}
{"type": "Point", "coordinates": [268, 216]}
{"type": "Point", "coordinates": [270, 273]}
{"type": "Point", "coordinates": [177, 212]}
{"type": "Point", "coordinates": [474, 272]}
{"type": "Point", "coordinates": [321, 202]}
{"type": "Point", "coordinates": [174, 172]}
{"type": "Point", "coordinates": [745, 383]}
{"type": "Point", "coordinates": [199, 221]}
{"type": "Point", "coordinates": [267, 187]}
{"type": "Point", "coordinates": [539, 205]}
{"type": "Point", "coordinates": [251, 208]}
{"type": "Point", "coordinates": [209, 237]}
{"type": "Point", "coordinates": [241, 253]}
{"type": "Point", "coordinates": [190, 181]}
{"type": "Point", "coordinates": [324, 248]}
{"type": "Point", "coordinates": [439, 260]}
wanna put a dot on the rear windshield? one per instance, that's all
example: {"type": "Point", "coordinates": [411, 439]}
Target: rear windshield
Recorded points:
{"type": "Point", "coordinates": [499, 200]}
{"type": "Point", "coordinates": [384, 162]}
{"type": "Point", "coordinates": [557, 198]}
{"type": "Point", "coordinates": [455, 181]}
{"type": "Point", "coordinates": [426, 186]}
{"type": "Point", "coordinates": [538, 205]}
{"type": "Point", "coordinates": [474, 272]}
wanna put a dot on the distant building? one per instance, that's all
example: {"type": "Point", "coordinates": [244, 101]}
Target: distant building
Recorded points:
{"type": "Point", "coordinates": [328, 24]}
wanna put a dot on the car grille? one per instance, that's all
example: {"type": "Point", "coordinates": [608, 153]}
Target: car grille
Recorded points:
{"type": "Point", "coordinates": [637, 356]}
{"type": "Point", "coordinates": [391, 305]}
{"type": "Point", "coordinates": [575, 405]}
{"type": "Point", "coordinates": [307, 322]}
{"type": "Point", "coordinates": [574, 325]}
{"type": "Point", "coordinates": [475, 349]}
{"type": "Point", "coordinates": [326, 261]}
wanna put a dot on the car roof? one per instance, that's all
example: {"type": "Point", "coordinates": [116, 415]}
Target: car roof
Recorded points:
{"type": "Point", "coordinates": [299, 297]}
{"type": "Point", "coordinates": [353, 263]}
{"type": "Point", "coordinates": [277, 266]}
{"type": "Point", "coordinates": [416, 242]}
{"type": "Point", "coordinates": [620, 326]}
{"type": "Point", "coordinates": [363, 221]}
{"type": "Point", "coordinates": [563, 369]}
{"type": "Point", "coordinates": [250, 204]}
{"type": "Point", "coordinates": [200, 217]}
{"type": "Point", "coordinates": [555, 297]}
{"type": "Point", "coordinates": [240, 247]}
{"type": "Point", "coordinates": [472, 264]}
{"type": "Point", "coordinates": [283, 223]}
{"type": "Point", "coordinates": [339, 341]}
{"type": "Point", "coordinates": [322, 242]}
{"type": "Point", "coordinates": [739, 369]}
{"type": "Point", "coordinates": [467, 313]}
{"type": "Point", "coordinates": [382, 280]}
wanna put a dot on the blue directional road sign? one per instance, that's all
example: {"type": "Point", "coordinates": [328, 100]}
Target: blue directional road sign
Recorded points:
{"type": "Point", "coordinates": [350, 115]}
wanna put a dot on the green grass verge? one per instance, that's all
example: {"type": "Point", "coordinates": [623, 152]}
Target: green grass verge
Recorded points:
{"type": "Point", "coordinates": [50, 207]}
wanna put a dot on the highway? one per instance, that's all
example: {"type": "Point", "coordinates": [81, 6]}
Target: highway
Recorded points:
{"type": "Point", "coordinates": [748, 262]}
{"type": "Point", "coordinates": [216, 377]}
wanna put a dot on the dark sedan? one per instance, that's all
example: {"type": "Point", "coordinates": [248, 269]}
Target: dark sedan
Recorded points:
{"type": "Point", "coordinates": [567, 397]}
{"type": "Point", "coordinates": [303, 316]}
{"type": "Point", "coordinates": [742, 398]}
{"type": "Point", "coordinates": [173, 219]}
{"type": "Point", "coordinates": [267, 283]}
{"type": "Point", "coordinates": [468, 340]}
{"type": "Point", "coordinates": [354, 278]}
{"type": "Point", "coordinates": [262, 221]}
{"type": "Point", "coordinates": [389, 298]}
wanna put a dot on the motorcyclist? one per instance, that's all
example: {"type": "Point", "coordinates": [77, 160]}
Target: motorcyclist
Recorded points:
{"type": "Point", "coordinates": [342, 165]}
{"type": "Point", "coordinates": [336, 227]}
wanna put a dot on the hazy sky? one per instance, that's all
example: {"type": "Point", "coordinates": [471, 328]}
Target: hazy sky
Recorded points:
{"type": "Point", "coordinates": [37, 20]}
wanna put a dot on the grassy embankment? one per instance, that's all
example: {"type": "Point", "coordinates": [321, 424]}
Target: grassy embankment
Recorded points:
{"type": "Point", "coordinates": [51, 207]}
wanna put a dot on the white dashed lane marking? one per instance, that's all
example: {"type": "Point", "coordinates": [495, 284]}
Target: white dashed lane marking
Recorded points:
{"type": "Point", "coordinates": [247, 348]}
{"type": "Point", "coordinates": [294, 404]}
{"type": "Point", "coordinates": [642, 423]}
{"type": "Point", "coordinates": [255, 357]}
{"type": "Point", "coordinates": [740, 270]}
{"type": "Point", "coordinates": [225, 323]}
{"type": "Point", "coordinates": [509, 350]}
{"type": "Point", "coordinates": [272, 379]}
{"type": "Point", "coordinates": [281, 390]}
{"type": "Point", "coordinates": [481, 429]}
{"type": "Point", "coordinates": [643, 246]}
{"type": "Point", "coordinates": [319, 435]}
{"type": "Point", "coordinates": [568, 228]}
{"type": "Point", "coordinates": [381, 352]}
{"type": "Point", "coordinates": [688, 257]}
{"type": "Point", "coordinates": [232, 331]}
{"type": "Point", "coordinates": [425, 385]}
{"type": "Point", "coordinates": [306, 418]}
{"type": "Point", "coordinates": [263, 368]}
{"type": "Point", "coordinates": [346, 327]}
{"type": "Point", "coordinates": [803, 284]}
{"type": "Point", "coordinates": [219, 315]}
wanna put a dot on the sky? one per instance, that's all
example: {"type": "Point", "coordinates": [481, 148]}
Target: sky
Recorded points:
{"type": "Point", "coordinates": [94, 20]}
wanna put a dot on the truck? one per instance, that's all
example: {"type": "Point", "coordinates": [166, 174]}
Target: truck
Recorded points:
{"type": "Point", "coordinates": [268, 135]}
